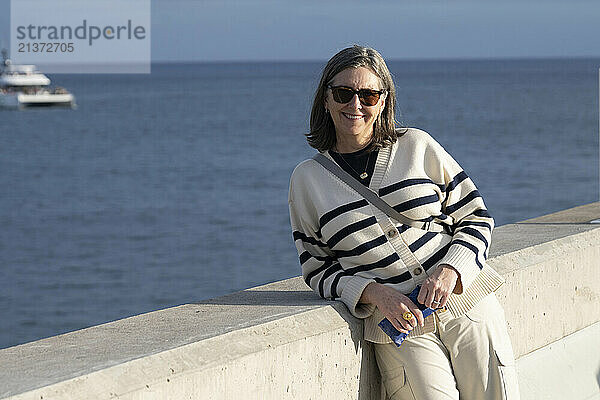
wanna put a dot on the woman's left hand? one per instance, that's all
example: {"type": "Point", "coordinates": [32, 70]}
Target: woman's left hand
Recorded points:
{"type": "Point", "coordinates": [437, 288]}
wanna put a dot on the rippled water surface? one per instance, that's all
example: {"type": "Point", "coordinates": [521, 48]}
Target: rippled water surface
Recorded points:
{"type": "Point", "coordinates": [170, 188]}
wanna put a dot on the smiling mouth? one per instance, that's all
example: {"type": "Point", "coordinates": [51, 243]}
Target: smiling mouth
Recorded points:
{"type": "Point", "coordinates": [352, 116]}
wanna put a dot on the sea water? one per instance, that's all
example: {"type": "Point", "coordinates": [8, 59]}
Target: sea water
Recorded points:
{"type": "Point", "coordinates": [172, 187]}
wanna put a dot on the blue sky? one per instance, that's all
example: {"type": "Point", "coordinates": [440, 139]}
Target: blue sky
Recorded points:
{"type": "Point", "coordinates": [227, 30]}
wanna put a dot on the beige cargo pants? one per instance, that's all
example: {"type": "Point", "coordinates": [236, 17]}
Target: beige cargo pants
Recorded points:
{"type": "Point", "coordinates": [467, 358]}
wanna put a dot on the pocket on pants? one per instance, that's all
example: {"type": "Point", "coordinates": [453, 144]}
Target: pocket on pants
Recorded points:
{"type": "Point", "coordinates": [508, 373]}
{"type": "Point", "coordinates": [394, 382]}
{"type": "Point", "coordinates": [475, 315]}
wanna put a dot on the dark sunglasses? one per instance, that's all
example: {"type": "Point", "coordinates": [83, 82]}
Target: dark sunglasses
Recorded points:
{"type": "Point", "coordinates": [367, 97]}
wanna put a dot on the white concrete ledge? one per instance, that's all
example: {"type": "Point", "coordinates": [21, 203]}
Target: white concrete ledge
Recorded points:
{"type": "Point", "coordinates": [566, 369]}
{"type": "Point", "coordinates": [281, 341]}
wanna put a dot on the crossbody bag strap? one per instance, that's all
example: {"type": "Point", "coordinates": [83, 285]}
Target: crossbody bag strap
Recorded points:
{"type": "Point", "coordinates": [367, 193]}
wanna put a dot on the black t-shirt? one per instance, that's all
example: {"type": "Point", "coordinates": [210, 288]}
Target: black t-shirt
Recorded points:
{"type": "Point", "coordinates": [357, 162]}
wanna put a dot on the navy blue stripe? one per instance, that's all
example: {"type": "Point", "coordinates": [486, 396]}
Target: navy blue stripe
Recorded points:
{"type": "Point", "coordinates": [299, 235]}
{"type": "Point", "coordinates": [304, 257]}
{"type": "Point", "coordinates": [414, 246]}
{"type": "Point", "coordinates": [461, 176]}
{"type": "Point", "coordinates": [326, 275]}
{"type": "Point", "coordinates": [475, 223]}
{"type": "Point", "coordinates": [362, 248]}
{"type": "Point", "coordinates": [350, 229]}
{"type": "Point", "coordinates": [470, 247]}
{"type": "Point", "coordinates": [419, 201]}
{"type": "Point", "coordinates": [475, 233]}
{"type": "Point", "coordinates": [402, 228]}
{"type": "Point", "coordinates": [384, 262]}
{"type": "Point", "coordinates": [328, 216]}
{"type": "Point", "coordinates": [437, 256]}
{"type": "Point", "coordinates": [335, 282]}
{"type": "Point", "coordinates": [317, 271]}
{"type": "Point", "coordinates": [402, 184]}
{"type": "Point", "coordinates": [474, 194]}
{"type": "Point", "coordinates": [395, 279]}
{"type": "Point", "coordinates": [482, 213]}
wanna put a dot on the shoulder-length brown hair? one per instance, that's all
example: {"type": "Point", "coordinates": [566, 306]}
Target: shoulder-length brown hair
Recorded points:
{"type": "Point", "coordinates": [322, 131]}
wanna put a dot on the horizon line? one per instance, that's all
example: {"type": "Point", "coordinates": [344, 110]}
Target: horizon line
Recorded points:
{"type": "Point", "coordinates": [414, 59]}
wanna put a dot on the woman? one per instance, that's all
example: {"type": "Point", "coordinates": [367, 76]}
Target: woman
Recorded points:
{"type": "Point", "coordinates": [351, 251]}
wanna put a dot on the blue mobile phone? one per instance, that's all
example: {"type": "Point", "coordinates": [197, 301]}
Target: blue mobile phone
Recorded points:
{"type": "Point", "coordinates": [397, 336]}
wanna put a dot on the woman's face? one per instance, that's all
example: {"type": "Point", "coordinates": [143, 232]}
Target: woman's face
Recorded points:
{"type": "Point", "coordinates": [354, 121]}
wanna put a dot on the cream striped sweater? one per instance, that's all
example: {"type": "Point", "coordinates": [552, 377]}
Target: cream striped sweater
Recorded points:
{"type": "Point", "coordinates": [344, 243]}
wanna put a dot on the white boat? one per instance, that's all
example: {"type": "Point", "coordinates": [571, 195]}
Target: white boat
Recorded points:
{"type": "Point", "coordinates": [24, 86]}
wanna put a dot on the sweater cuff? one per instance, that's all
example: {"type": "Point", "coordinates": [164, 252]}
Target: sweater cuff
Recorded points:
{"type": "Point", "coordinates": [463, 261]}
{"type": "Point", "coordinates": [351, 294]}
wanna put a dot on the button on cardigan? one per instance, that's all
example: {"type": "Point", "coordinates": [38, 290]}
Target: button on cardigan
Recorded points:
{"type": "Point", "coordinates": [344, 243]}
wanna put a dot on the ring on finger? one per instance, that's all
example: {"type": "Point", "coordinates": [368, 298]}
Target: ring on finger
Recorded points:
{"type": "Point", "coordinates": [436, 303]}
{"type": "Point", "coordinates": [408, 316]}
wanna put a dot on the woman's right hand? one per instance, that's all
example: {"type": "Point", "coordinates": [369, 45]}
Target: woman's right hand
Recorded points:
{"type": "Point", "coordinates": [393, 305]}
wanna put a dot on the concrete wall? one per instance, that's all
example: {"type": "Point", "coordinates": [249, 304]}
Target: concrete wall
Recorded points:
{"type": "Point", "coordinates": [280, 341]}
